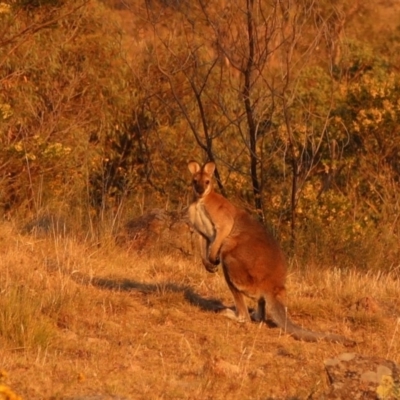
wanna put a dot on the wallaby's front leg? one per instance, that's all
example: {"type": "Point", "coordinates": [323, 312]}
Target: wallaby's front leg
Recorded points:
{"type": "Point", "coordinates": [204, 248]}
{"type": "Point", "coordinates": [215, 247]}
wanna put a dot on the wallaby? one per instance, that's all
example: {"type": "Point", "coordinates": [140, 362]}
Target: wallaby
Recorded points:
{"type": "Point", "coordinates": [211, 214]}
{"type": "Point", "coordinates": [252, 261]}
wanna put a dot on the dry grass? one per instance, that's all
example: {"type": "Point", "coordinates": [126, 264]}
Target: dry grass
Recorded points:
{"type": "Point", "coordinates": [80, 320]}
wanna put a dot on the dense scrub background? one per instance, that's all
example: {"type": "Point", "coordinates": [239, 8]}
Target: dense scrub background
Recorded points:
{"type": "Point", "coordinates": [103, 103]}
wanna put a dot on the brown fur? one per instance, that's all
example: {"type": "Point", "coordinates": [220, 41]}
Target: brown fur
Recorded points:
{"type": "Point", "coordinates": [211, 214]}
{"type": "Point", "coordinates": [252, 261]}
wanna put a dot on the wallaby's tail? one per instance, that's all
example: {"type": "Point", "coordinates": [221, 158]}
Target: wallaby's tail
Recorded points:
{"type": "Point", "coordinates": [277, 312]}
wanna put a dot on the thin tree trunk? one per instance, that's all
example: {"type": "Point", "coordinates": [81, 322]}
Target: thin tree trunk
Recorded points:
{"type": "Point", "coordinates": [249, 112]}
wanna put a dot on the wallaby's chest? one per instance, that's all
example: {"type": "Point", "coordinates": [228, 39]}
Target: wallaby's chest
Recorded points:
{"type": "Point", "coordinates": [200, 219]}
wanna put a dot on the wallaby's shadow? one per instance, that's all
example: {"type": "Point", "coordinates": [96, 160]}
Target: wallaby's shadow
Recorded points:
{"type": "Point", "coordinates": [128, 285]}
{"type": "Point", "coordinates": [205, 304]}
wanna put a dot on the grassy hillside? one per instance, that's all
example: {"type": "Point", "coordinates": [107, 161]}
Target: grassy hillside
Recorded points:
{"type": "Point", "coordinates": [80, 320]}
{"type": "Point", "coordinates": [97, 123]}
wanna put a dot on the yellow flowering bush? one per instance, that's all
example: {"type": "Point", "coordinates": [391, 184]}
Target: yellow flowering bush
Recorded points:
{"type": "Point", "coordinates": [6, 393]}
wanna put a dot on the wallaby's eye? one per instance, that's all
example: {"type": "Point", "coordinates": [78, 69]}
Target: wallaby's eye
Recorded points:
{"type": "Point", "coordinates": [207, 182]}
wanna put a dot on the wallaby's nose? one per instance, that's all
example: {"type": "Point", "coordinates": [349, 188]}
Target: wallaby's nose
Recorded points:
{"type": "Point", "coordinates": [199, 188]}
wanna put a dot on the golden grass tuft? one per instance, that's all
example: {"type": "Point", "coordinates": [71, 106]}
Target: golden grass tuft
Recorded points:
{"type": "Point", "coordinates": [81, 319]}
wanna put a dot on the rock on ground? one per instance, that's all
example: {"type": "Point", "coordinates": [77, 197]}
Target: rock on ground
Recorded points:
{"type": "Point", "coordinates": [354, 376]}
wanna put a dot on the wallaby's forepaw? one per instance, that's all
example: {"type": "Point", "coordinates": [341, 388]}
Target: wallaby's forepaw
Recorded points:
{"type": "Point", "coordinates": [209, 266]}
{"type": "Point", "coordinates": [214, 260]}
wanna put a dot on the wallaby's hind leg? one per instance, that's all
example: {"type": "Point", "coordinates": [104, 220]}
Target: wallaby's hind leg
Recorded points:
{"type": "Point", "coordinates": [242, 313]}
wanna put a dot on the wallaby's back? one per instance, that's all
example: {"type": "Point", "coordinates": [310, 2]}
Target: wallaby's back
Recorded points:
{"type": "Point", "coordinates": [254, 265]}
{"type": "Point", "coordinates": [253, 258]}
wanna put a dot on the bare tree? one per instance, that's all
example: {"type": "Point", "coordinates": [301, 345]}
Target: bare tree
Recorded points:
{"type": "Point", "coordinates": [237, 66]}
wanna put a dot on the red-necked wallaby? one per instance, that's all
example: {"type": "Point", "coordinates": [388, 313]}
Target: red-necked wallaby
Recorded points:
{"type": "Point", "coordinates": [211, 214]}
{"type": "Point", "coordinates": [252, 261]}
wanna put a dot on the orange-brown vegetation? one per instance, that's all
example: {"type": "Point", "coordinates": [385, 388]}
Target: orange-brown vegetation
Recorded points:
{"type": "Point", "coordinates": [78, 319]}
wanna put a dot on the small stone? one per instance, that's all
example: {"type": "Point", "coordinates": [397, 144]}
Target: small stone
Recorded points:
{"type": "Point", "coordinates": [330, 362]}
{"type": "Point", "coordinates": [346, 356]}
{"type": "Point", "coordinates": [258, 373]}
{"type": "Point", "coordinates": [382, 371]}
{"type": "Point", "coordinates": [355, 376]}
{"type": "Point", "coordinates": [369, 376]}
{"type": "Point", "coordinates": [223, 367]}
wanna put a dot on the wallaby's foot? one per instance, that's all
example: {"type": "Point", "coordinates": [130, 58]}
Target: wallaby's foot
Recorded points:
{"type": "Point", "coordinates": [228, 313]}
{"type": "Point", "coordinates": [256, 316]}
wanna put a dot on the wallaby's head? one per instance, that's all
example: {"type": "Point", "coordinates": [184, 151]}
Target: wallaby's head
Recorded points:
{"type": "Point", "coordinates": [202, 177]}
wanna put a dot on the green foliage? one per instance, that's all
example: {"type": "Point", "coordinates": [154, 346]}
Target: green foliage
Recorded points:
{"type": "Point", "coordinates": [6, 392]}
{"type": "Point", "coordinates": [362, 178]}
{"type": "Point", "coordinates": [387, 388]}
{"type": "Point", "coordinates": [88, 122]}
{"type": "Point", "coordinates": [64, 85]}
{"type": "Point", "coordinates": [346, 147]}
{"type": "Point", "coordinates": [31, 4]}
{"type": "Point", "coordinates": [357, 58]}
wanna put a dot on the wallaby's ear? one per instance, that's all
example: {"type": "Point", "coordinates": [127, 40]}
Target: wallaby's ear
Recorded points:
{"type": "Point", "coordinates": [209, 168]}
{"type": "Point", "coordinates": [194, 167]}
